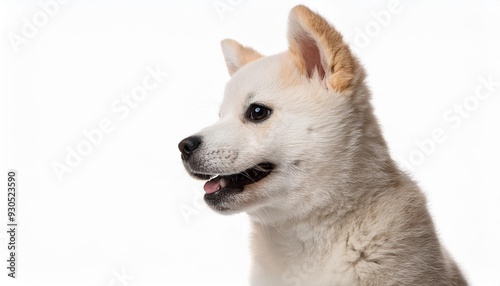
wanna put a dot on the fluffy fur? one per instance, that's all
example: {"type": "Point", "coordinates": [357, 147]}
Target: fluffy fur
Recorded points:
{"type": "Point", "coordinates": [336, 210]}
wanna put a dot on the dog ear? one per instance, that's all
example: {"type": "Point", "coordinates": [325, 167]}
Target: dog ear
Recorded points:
{"type": "Point", "coordinates": [237, 55]}
{"type": "Point", "coordinates": [317, 47]}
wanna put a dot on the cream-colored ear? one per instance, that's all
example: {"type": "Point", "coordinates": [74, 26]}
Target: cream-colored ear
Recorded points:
{"type": "Point", "coordinates": [318, 47]}
{"type": "Point", "coordinates": [237, 55]}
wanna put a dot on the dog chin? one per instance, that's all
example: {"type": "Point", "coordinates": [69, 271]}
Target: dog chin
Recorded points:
{"type": "Point", "coordinates": [230, 201]}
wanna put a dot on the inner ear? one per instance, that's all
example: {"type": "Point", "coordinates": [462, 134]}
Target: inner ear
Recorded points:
{"type": "Point", "coordinates": [318, 48]}
{"type": "Point", "coordinates": [312, 57]}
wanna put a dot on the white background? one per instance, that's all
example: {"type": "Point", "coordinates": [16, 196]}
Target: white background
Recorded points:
{"type": "Point", "coordinates": [116, 218]}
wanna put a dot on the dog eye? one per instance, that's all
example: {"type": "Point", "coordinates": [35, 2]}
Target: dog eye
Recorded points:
{"type": "Point", "coordinates": [257, 113]}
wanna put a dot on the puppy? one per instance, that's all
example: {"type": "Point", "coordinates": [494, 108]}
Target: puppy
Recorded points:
{"type": "Point", "coordinates": [299, 149]}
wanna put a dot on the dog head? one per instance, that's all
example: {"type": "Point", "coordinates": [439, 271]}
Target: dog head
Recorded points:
{"type": "Point", "coordinates": [285, 128]}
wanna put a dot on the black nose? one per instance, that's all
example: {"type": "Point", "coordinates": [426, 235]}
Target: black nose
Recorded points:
{"type": "Point", "coordinates": [188, 146]}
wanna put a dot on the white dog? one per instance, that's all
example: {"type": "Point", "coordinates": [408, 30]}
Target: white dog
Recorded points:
{"type": "Point", "coordinates": [298, 148]}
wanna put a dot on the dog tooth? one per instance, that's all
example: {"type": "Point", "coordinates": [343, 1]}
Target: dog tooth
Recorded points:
{"type": "Point", "coordinates": [223, 183]}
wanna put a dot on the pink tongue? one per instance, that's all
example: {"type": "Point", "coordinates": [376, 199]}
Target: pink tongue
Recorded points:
{"type": "Point", "coordinates": [212, 186]}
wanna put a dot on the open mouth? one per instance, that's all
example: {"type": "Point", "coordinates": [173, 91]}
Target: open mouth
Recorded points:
{"type": "Point", "coordinates": [236, 182]}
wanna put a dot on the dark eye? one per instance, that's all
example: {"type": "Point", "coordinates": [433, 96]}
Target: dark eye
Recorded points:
{"type": "Point", "coordinates": [257, 112]}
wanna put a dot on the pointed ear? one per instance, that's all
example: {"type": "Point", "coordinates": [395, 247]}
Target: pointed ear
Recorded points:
{"type": "Point", "coordinates": [317, 46]}
{"type": "Point", "coordinates": [236, 55]}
